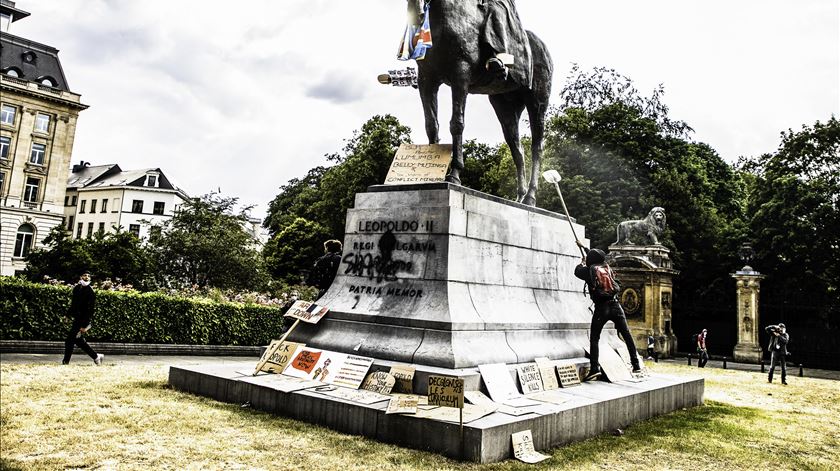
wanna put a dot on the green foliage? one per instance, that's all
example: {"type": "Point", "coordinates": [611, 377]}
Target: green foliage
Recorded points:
{"type": "Point", "coordinates": [35, 312]}
{"type": "Point", "coordinates": [118, 256]}
{"type": "Point", "coordinates": [794, 206]}
{"type": "Point", "coordinates": [205, 244]}
{"type": "Point", "coordinates": [294, 248]}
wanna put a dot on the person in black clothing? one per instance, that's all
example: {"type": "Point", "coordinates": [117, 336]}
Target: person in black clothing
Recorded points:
{"type": "Point", "coordinates": [323, 273]}
{"type": "Point", "coordinates": [779, 339]}
{"type": "Point", "coordinates": [81, 311]}
{"type": "Point", "coordinates": [606, 309]}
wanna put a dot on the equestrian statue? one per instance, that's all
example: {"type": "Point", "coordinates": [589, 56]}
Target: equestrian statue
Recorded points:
{"type": "Point", "coordinates": [480, 47]}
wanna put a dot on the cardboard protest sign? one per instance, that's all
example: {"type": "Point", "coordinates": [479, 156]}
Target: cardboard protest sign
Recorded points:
{"type": "Point", "coordinates": [523, 448]}
{"type": "Point", "coordinates": [354, 395]}
{"type": "Point", "coordinates": [498, 381]}
{"type": "Point", "coordinates": [479, 399]}
{"type": "Point", "coordinates": [611, 364]}
{"type": "Point", "coordinates": [403, 404]}
{"type": "Point", "coordinates": [415, 163]}
{"type": "Point", "coordinates": [446, 391]}
{"type": "Point", "coordinates": [549, 377]}
{"type": "Point", "coordinates": [353, 371]}
{"type": "Point", "coordinates": [307, 312]}
{"type": "Point", "coordinates": [529, 378]}
{"type": "Point", "coordinates": [283, 354]}
{"type": "Point", "coordinates": [568, 374]}
{"type": "Point", "coordinates": [303, 363]}
{"type": "Point", "coordinates": [379, 381]}
{"type": "Point", "coordinates": [404, 376]}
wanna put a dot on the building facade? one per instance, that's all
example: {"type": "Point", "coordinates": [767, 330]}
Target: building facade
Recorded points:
{"type": "Point", "coordinates": [38, 115]}
{"type": "Point", "coordinates": [105, 198]}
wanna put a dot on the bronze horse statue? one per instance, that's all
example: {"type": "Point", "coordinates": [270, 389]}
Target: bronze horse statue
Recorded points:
{"type": "Point", "coordinates": [458, 59]}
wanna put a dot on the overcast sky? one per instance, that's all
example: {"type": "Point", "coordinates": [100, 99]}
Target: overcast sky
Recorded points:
{"type": "Point", "coordinates": [244, 95]}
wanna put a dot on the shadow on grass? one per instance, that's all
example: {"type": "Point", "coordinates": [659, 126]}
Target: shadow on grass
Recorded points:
{"type": "Point", "coordinates": [155, 385]}
{"type": "Point", "coordinates": [9, 465]}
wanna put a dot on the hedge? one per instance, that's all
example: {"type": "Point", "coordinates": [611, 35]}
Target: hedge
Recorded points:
{"type": "Point", "coordinates": [30, 311]}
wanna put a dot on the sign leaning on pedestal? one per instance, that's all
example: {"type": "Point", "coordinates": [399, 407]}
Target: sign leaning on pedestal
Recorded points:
{"type": "Point", "coordinates": [419, 164]}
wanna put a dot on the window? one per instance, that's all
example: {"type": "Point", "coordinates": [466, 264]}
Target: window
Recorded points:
{"type": "Point", "coordinates": [137, 206]}
{"type": "Point", "coordinates": [23, 240]}
{"type": "Point", "coordinates": [159, 205]}
{"type": "Point", "coordinates": [42, 122]}
{"type": "Point", "coordinates": [30, 192]}
{"type": "Point", "coordinates": [37, 155]}
{"type": "Point", "coordinates": [66, 201]}
{"type": "Point", "coordinates": [93, 206]}
{"type": "Point", "coordinates": [79, 230]}
{"type": "Point", "coordinates": [48, 81]}
{"type": "Point", "coordinates": [102, 227]}
{"type": "Point", "coordinates": [82, 207]}
{"type": "Point", "coordinates": [2, 181]}
{"type": "Point", "coordinates": [134, 229]}
{"type": "Point", "coordinates": [115, 208]}
{"type": "Point", "coordinates": [5, 21]}
{"type": "Point", "coordinates": [104, 205]}
{"type": "Point", "coordinates": [151, 180]}
{"type": "Point", "coordinates": [7, 115]}
{"type": "Point", "coordinates": [90, 229]}
{"type": "Point", "coordinates": [70, 223]}
{"type": "Point", "coordinates": [5, 145]}
{"type": "Point", "coordinates": [12, 72]}
{"type": "Point", "coordinates": [73, 201]}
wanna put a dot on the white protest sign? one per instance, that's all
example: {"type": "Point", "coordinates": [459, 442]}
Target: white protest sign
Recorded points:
{"type": "Point", "coordinates": [549, 377]}
{"type": "Point", "coordinates": [306, 311]}
{"type": "Point", "coordinates": [327, 367]}
{"type": "Point", "coordinates": [523, 448]}
{"type": "Point", "coordinates": [529, 378]}
{"type": "Point", "coordinates": [498, 381]}
{"type": "Point", "coordinates": [352, 371]}
{"type": "Point", "coordinates": [568, 374]}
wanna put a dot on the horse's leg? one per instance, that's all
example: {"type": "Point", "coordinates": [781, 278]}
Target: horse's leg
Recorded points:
{"type": "Point", "coordinates": [456, 127]}
{"type": "Point", "coordinates": [429, 99]}
{"type": "Point", "coordinates": [508, 108]}
{"type": "Point", "coordinates": [536, 115]}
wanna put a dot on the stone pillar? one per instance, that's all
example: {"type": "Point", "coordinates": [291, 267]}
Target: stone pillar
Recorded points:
{"type": "Point", "coordinates": [646, 277]}
{"type": "Point", "coordinates": [748, 283]}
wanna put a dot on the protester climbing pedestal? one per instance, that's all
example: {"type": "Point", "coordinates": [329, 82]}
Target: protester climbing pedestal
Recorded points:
{"type": "Point", "coordinates": [441, 275]}
{"type": "Point", "coordinates": [645, 274]}
{"type": "Point", "coordinates": [748, 282]}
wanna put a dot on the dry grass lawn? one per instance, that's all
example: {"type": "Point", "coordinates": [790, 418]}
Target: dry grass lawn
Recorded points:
{"type": "Point", "coordinates": [126, 417]}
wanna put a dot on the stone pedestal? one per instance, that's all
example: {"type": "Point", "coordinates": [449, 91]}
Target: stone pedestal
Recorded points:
{"type": "Point", "coordinates": [645, 274]}
{"type": "Point", "coordinates": [748, 282]}
{"type": "Point", "coordinates": [441, 275]}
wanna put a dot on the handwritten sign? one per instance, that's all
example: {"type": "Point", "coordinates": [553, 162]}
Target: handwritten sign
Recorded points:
{"type": "Point", "coordinates": [549, 377]}
{"type": "Point", "coordinates": [403, 404]}
{"type": "Point", "coordinates": [379, 381]}
{"type": "Point", "coordinates": [303, 363]}
{"type": "Point", "coordinates": [568, 374]}
{"type": "Point", "coordinates": [306, 311]}
{"type": "Point", "coordinates": [523, 448]}
{"type": "Point", "coordinates": [446, 391]}
{"type": "Point", "coordinates": [404, 376]}
{"type": "Point", "coordinates": [529, 378]}
{"type": "Point", "coordinates": [419, 164]}
{"type": "Point", "coordinates": [283, 354]}
{"type": "Point", "coordinates": [352, 371]}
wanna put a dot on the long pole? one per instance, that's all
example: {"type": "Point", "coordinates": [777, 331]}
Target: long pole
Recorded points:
{"type": "Point", "coordinates": [268, 355]}
{"type": "Point", "coordinates": [569, 218]}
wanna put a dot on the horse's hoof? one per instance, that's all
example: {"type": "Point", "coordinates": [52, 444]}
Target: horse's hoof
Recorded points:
{"type": "Point", "coordinates": [529, 201]}
{"type": "Point", "coordinates": [455, 180]}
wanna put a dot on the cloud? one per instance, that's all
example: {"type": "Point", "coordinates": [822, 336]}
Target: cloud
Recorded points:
{"type": "Point", "coordinates": [336, 88]}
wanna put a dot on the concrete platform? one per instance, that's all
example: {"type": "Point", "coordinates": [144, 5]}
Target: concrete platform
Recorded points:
{"type": "Point", "coordinates": [589, 409]}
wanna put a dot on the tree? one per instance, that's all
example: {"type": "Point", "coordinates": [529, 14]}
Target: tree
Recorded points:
{"type": "Point", "coordinates": [294, 249]}
{"type": "Point", "coordinates": [205, 244]}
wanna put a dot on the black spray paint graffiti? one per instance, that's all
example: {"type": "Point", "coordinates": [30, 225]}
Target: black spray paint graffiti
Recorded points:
{"type": "Point", "coordinates": [381, 267]}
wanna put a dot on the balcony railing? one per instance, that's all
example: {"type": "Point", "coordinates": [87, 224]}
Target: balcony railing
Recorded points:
{"type": "Point", "coordinates": [30, 205]}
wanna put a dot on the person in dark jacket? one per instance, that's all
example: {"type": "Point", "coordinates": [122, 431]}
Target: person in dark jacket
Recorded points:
{"type": "Point", "coordinates": [606, 309]}
{"type": "Point", "coordinates": [81, 311]}
{"type": "Point", "coordinates": [702, 352]}
{"type": "Point", "coordinates": [778, 350]}
{"type": "Point", "coordinates": [326, 267]}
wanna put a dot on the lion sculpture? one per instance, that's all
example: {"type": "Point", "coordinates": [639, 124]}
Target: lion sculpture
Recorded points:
{"type": "Point", "coordinates": [647, 229]}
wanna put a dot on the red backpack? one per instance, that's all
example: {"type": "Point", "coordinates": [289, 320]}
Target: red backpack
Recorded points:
{"type": "Point", "coordinates": [606, 286]}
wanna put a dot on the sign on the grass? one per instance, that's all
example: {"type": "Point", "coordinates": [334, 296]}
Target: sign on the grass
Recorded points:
{"type": "Point", "coordinates": [283, 354]}
{"type": "Point", "coordinates": [498, 381]}
{"type": "Point", "coordinates": [379, 381]}
{"type": "Point", "coordinates": [568, 374]}
{"type": "Point", "coordinates": [307, 311]}
{"type": "Point", "coordinates": [523, 448]}
{"type": "Point", "coordinates": [529, 378]}
{"type": "Point", "coordinates": [404, 376]}
{"type": "Point", "coordinates": [419, 163]}
{"type": "Point", "coordinates": [446, 391]}
{"type": "Point", "coordinates": [549, 377]}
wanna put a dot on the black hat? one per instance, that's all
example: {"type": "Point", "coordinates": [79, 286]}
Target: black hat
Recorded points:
{"type": "Point", "coordinates": [595, 256]}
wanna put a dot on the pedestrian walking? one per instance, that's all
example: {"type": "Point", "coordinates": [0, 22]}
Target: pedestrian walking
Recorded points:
{"type": "Point", "coordinates": [81, 312]}
{"type": "Point", "coordinates": [701, 349]}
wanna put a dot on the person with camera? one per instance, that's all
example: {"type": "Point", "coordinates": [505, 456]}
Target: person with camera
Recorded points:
{"type": "Point", "coordinates": [778, 350]}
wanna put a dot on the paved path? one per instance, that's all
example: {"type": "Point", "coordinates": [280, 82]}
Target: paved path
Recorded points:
{"type": "Point", "coordinates": [792, 370]}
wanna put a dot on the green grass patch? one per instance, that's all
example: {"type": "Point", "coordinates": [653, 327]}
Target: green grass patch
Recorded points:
{"type": "Point", "coordinates": [127, 417]}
